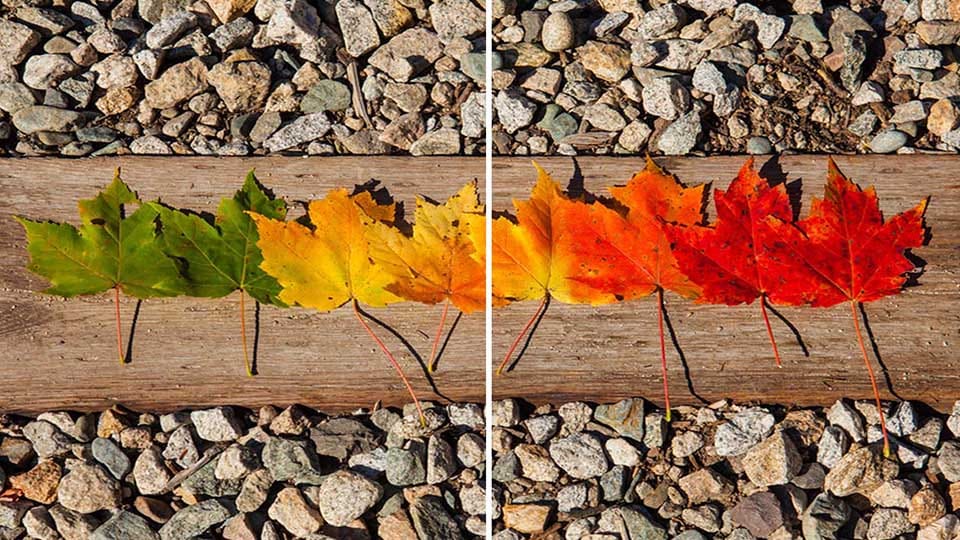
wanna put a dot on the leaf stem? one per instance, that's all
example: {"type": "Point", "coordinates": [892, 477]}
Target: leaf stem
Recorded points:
{"type": "Point", "coordinates": [663, 351]}
{"type": "Point", "coordinates": [873, 378]}
{"type": "Point", "coordinates": [766, 321]}
{"type": "Point", "coordinates": [393, 361]}
{"type": "Point", "coordinates": [243, 335]}
{"type": "Point", "coordinates": [116, 312]}
{"type": "Point", "coordinates": [522, 333]}
{"type": "Point", "coordinates": [436, 339]}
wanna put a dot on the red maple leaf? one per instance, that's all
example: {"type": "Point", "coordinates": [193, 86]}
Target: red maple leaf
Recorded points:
{"type": "Point", "coordinates": [740, 257]}
{"type": "Point", "coordinates": [855, 256]}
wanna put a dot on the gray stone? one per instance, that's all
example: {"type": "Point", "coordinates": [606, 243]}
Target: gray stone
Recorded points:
{"type": "Point", "coordinates": [407, 54]}
{"type": "Point", "coordinates": [845, 416]}
{"type": "Point", "coordinates": [345, 496]}
{"type": "Point", "coordinates": [87, 489]}
{"type": "Point", "coordinates": [111, 456]}
{"type": "Point", "coordinates": [709, 79]}
{"type": "Point", "coordinates": [769, 27]}
{"type": "Point", "coordinates": [833, 444]}
{"type": "Point", "coordinates": [216, 425]}
{"type": "Point", "coordinates": [948, 460]}
{"type": "Point", "coordinates": [558, 32]}
{"type": "Point", "coordinates": [233, 35]}
{"type": "Point", "coordinates": [759, 146]}
{"type": "Point", "coordinates": [405, 466]}
{"type": "Point", "coordinates": [888, 523]}
{"type": "Point", "coordinates": [16, 41]}
{"type": "Point", "coordinates": [636, 522]}
{"type": "Point", "coordinates": [580, 455]}
{"type": "Point", "coordinates": [662, 20]}
{"type": "Point", "coordinates": [869, 92]}
{"type": "Point", "coordinates": [514, 110]}
{"type": "Point", "coordinates": [908, 59]}
{"type": "Point", "coordinates": [150, 473]}
{"type": "Point", "coordinates": [358, 27]}
{"type": "Point", "coordinates": [557, 123]}
{"type": "Point", "coordinates": [44, 71]}
{"type": "Point", "coordinates": [456, 18]}
{"type": "Point", "coordinates": [290, 460]}
{"type": "Point", "coordinates": [888, 141]}
{"type": "Point", "coordinates": [681, 136]}
{"type": "Point", "coordinates": [666, 97]}
{"type": "Point", "coordinates": [194, 520]}
{"type": "Point", "coordinates": [304, 129]}
{"type": "Point", "coordinates": [32, 120]}
{"type": "Point", "coordinates": [824, 517]}
{"type": "Point", "coordinates": [170, 28]}
{"type": "Point", "coordinates": [181, 448]}
{"type": "Point", "coordinates": [432, 520]}
{"type": "Point", "coordinates": [744, 430]}
{"type": "Point", "coordinates": [15, 96]}
{"type": "Point", "coordinates": [125, 526]}
{"type": "Point", "coordinates": [326, 95]}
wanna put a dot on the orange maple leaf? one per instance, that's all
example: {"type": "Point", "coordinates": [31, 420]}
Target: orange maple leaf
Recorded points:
{"type": "Point", "coordinates": [533, 257]}
{"type": "Point", "coordinates": [630, 255]}
{"type": "Point", "coordinates": [439, 262]}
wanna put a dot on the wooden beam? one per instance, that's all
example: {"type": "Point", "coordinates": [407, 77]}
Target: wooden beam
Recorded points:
{"type": "Point", "coordinates": [58, 354]}
{"type": "Point", "coordinates": [606, 353]}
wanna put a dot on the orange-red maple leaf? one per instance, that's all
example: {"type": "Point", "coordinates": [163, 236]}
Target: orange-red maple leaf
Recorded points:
{"type": "Point", "coordinates": [740, 258]}
{"type": "Point", "coordinates": [629, 255]}
{"type": "Point", "coordinates": [855, 256]}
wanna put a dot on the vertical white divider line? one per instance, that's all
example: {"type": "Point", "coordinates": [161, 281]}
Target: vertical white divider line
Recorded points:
{"type": "Point", "coordinates": [488, 223]}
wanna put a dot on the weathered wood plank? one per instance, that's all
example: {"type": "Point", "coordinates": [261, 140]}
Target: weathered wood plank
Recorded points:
{"type": "Point", "coordinates": [186, 352]}
{"type": "Point", "coordinates": [603, 354]}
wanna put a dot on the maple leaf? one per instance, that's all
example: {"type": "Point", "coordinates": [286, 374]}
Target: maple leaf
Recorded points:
{"type": "Point", "coordinates": [326, 266]}
{"type": "Point", "coordinates": [223, 257]}
{"type": "Point", "coordinates": [109, 250]}
{"type": "Point", "coordinates": [439, 262]}
{"type": "Point", "coordinates": [629, 255]}
{"type": "Point", "coordinates": [740, 258]}
{"type": "Point", "coordinates": [855, 255]}
{"type": "Point", "coordinates": [534, 258]}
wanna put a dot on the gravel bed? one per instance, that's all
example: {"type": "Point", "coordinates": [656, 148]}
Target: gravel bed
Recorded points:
{"type": "Point", "coordinates": [619, 471]}
{"type": "Point", "coordinates": [238, 475]}
{"type": "Point", "coordinates": [241, 77]}
{"type": "Point", "coordinates": [721, 76]}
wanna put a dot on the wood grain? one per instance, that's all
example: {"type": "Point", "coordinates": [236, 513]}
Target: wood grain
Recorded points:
{"type": "Point", "coordinates": [60, 354]}
{"type": "Point", "coordinates": [603, 354]}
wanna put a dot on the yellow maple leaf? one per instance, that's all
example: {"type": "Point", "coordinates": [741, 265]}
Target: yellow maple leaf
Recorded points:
{"type": "Point", "coordinates": [329, 265]}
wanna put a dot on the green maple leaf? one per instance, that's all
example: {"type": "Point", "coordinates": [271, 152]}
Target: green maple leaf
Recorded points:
{"type": "Point", "coordinates": [222, 257]}
{"type": "Point", "coordinates": [108, 251]}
